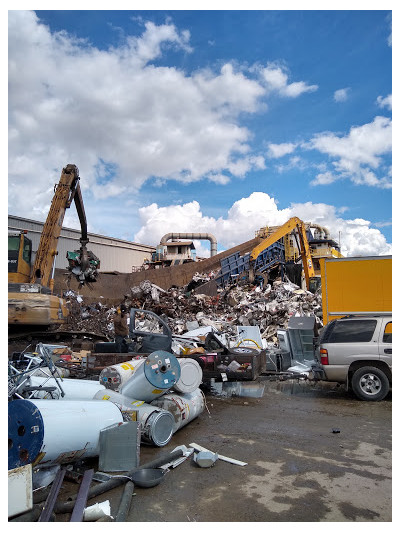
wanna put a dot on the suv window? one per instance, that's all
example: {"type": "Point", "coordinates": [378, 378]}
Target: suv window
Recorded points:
{"type": "Point", "coordinates": [387, 335]}
{"type": "Point", "coordinates": [351, 331]}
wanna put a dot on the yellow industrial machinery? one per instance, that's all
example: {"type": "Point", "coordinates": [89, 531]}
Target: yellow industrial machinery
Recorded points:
{"type": "Point", "coordinates": [296, 226]}
{"type": "Point", "coordinates": [321, 244]}
{"type": "Point", "coordinates": [19, 257]}
{"type": "Point", "coordinates": [30, 289]}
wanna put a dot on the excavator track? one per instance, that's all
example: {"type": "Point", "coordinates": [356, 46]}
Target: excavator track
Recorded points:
{"type": "Point", "coordinates": [17, 341]}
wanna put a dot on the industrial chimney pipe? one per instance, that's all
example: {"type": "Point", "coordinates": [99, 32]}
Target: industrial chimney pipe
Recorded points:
{"type": "Point", "coordinates": [199, 236]}
{"type": "Point", "coordinates": [320, 229]}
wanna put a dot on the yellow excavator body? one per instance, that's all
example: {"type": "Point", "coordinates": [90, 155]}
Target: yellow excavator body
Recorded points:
{"type": "Point", "coordinates": [292, 224]}
{"type": "Point", "coordinates": [30, 288]}
{"type": "Point", "coordinates": [35, 309]}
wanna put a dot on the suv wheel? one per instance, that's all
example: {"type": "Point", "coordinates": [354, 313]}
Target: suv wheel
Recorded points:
{"type": "Point", "coordinates": [369, 383]}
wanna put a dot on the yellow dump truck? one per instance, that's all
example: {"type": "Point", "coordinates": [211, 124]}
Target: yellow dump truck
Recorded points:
{"type": "Point", "coordinates": [356, 285]}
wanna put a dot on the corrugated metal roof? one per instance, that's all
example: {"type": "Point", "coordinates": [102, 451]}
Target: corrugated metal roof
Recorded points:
{"type": "Point", "coordinates": [114, 254]}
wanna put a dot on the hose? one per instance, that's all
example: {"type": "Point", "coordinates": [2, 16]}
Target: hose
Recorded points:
{"type": "Point", "coordinates": [251, 340]}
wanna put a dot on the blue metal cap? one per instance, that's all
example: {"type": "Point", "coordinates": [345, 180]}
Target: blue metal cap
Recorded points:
{"type": "Point", "coordinates": [162, 369]}
{"type": "Point", "coordinates": [25, 433]}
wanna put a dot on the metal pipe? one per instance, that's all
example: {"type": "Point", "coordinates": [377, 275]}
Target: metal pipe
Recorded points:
{"type": "Point", "coordinates": [125, 503]}
{"type": "Point", "coordinates": [321, 229]}
{"type": "Point", "coordinates": [66, 507]}
{"type": "Point", "coordinates": [199, 236]}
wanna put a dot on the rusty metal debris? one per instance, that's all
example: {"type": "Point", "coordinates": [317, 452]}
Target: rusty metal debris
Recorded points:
{"type": "Point", "coordinates": [269, 308]}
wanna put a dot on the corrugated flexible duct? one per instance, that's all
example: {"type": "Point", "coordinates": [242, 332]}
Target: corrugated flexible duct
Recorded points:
{"type": "Point", "coordinates": [320, 229]}
{"type": "Point", "coordinates": [199, 236]}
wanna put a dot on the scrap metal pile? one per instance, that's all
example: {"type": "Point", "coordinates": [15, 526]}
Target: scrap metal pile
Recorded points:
{"type": "Point", "coordinates": [145, 399]}
{"type": "Point", "coordinates": [269, 308]}
{"type": "Point", "coordinates": [94, 318]}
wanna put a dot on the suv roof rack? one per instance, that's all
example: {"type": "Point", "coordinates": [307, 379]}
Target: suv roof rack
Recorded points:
{"type": "Point", "coordinates": [366, 315]}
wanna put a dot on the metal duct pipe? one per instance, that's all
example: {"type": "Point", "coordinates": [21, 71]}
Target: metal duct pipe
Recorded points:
{"type": "Point", "coordinates": [199, 236]}
{"type": "Point", "coordinates": [321, 229]}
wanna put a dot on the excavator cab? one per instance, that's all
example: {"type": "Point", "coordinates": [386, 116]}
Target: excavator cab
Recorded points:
{"type": "Point", "coordinates": [19, 257]}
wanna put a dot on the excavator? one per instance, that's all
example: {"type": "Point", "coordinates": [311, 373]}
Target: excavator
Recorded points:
{"type": "Point", "coordinates": [268, 255]}
{"type": "Point", "coordinates": [31, 301]}
{"type": "Point", "coordinates": [297, 226]}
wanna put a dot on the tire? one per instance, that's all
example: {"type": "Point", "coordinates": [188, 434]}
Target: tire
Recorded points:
{"type": "Point", "coordinates": [370, 383]}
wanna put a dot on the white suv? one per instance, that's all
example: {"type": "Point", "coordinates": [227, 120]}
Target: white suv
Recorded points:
{"type": "Point", "coordinates": [357, 350]}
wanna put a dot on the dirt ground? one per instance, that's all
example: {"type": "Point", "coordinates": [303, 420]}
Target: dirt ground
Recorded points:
{"type": "Point", "coordinates": [298, 469]}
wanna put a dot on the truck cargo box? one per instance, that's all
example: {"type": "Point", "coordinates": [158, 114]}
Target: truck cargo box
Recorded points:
{"type": "Point", "coordinates": [356, 285]}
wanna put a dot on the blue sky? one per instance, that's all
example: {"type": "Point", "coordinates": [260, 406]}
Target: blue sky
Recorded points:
{"type": "Point", "coordinates": [212, 121]}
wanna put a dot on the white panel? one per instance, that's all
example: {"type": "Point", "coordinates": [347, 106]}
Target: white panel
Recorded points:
{"type": "Point", "coordinates": [20, 497]}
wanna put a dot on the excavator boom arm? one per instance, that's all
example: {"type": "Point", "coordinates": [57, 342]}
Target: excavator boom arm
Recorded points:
{"type": "Point", "coordinates": [308, 266]}
{"type": "Point", "coordinates": [65, 191]}
{"type": "Point", "coordinates": [293, 223]}
{"type": "Point", "coordinates": [286, 228]}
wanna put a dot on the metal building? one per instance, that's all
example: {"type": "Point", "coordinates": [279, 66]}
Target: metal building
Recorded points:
{"type": "Point", "coordinates": [114, 254]}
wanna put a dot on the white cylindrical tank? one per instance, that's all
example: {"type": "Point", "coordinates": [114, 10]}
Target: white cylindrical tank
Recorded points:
{"type": "Point", "coordinates": [114, 376]}
{"type": "Point", "coordinates": [155, 377]}
{"type": "Point", "coordinates": [183, 407]}
{"type": "Point", "coordinates": [62, 431]}
{"type": "Point", "coordinates": [124, 403]}
{"type": "Point", "coordinates": [191, 375]}
{"type": "Point", "coordinates": [156, 424]}
{"type": "Point", "coordinates": [44, 371]}
{"type": "Point", "coordinates": [74, 389]}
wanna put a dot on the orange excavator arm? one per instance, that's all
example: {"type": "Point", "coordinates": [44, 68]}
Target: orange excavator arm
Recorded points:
{"type": "Point", "coordinates": [293, 223]}
{"type": "Point", "coordinates": [67, 190]}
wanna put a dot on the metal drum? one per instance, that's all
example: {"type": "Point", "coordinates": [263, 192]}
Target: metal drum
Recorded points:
{"type": "Point", "coordinates": [44, 371]}
{"type": "Point", "coordinates": [183, 407]}
{"type": "Point", "coordinates": [74, 389]}
{"type": "Point", "coordinates": [114, 376]}
{"type": "Point", "coordinates": [191, 375]}
{"type": "Point", "coordinates": [156, 424]}
{"type": "Point", "coordinates": [155, 377]}
{"type": "Point", "coordinates": [124, 403]}
{"type": "Point", "coordinates": [62, 431]}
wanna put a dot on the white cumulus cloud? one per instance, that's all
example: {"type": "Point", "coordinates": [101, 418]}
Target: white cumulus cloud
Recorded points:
{"type": "Point", "coordinates": [115, 109]}
{"type": "Point", "coordinates": [247, 215]}
{"type": "Point", "coordinates": [385, 102]}
{"type": "Point", "coordinates": [341, 95]}
{"type": "Point", "coordinates": [276, 79]}
{"type": "Point", "coordinates": [357, 156]}
{"type": "Point", "coordinates": [279, 150]}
